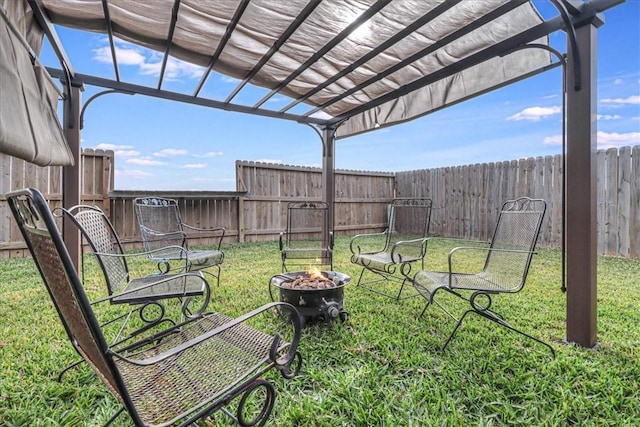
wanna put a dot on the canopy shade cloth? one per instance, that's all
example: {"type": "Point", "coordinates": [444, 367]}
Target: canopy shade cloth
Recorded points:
{"type": "Point", "coordinates": [29, 127]}
{"type": "Point", "coordinates": [362, 64]}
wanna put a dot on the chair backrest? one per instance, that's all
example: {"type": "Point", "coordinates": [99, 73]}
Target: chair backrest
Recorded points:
{"type": "Point", "coordinates": [99, 233]}
{"type": "Point", "coordinates": [515, 235]}
{"type": "Point", "coordinates": [409, 219]}
{"type": "Point", "coordinates": [305, 243]}
{"type": "Point", "coordinates": [305, 224]}
{"type": "Point", "coordinates": [160, 223]}
{"type": "Point", "coordinates": [47, 248]}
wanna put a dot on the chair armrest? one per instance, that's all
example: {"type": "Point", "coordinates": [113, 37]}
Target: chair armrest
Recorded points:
{"type": "Point", "coordinates": [220, 230]}
{"type": "Point", "coordinates": [404, 251]}
{"type": "Point", "coordinates": [144, 253]}
{"type": "Point", "coordinates": [358, 245]}
{"type": "Point", "coordinates": [283, 360]}
{"type": "Point", "coordinates": [192, 227]}
{"type": "Point", "coordinates": [153, 232]}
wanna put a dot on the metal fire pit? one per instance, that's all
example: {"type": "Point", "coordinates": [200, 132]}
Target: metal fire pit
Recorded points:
{"type": "Point", "coordinates": [325, 303]}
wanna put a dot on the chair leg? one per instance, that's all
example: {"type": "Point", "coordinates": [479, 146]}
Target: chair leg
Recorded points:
{"type": "Point", "coordinates": [455, 329]}
{"type": "Point", "coordinates": [509, 326]}
{"type": "Point", "coordinates": [113, 417]}
{"type": "Point", "coordinates": [360, 277]}
{"type": "Point", "coordinates": [431, 300]}
{"type": "Point", "coordinates": [495, 319]}
{"type": "Point", "coordinates": [68, 368]}
{"type": "Point", "coordinates": [215, 276]}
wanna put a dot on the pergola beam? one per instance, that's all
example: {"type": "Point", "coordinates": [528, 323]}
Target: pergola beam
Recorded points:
{"type": "Point", "coordinates": [181, 97]}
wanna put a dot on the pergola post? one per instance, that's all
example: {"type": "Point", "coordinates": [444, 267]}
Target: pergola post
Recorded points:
{"type": "Point", "coordinates": [328, 175]}
{"type": "Point", "coordinates": [71, 175]}
{"type": "Point", "coordinates": [581, 191]}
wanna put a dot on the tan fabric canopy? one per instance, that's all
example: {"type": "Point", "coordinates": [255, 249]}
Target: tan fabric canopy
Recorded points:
{"type": "Point", "coordinates": [363, 63]}
{"type": "Point", "coordinates": [29, 126]}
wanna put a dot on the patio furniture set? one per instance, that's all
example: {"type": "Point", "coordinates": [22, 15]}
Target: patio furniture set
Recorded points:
{"type": "Point", "coordinates": [168, 369]}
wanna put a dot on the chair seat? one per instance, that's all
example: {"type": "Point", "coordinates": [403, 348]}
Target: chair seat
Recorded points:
{"type": "Point", "coordinates": [427, 282]}
{"type": "Point", "coordinates": [204, 259]}
{"type": "Point", "coordinates": [198, 259]}
{"type": "Point", "coordinates": [163, 391]}
{"type": "Point", "coordinates": [179, 286]}
{"type": "Point", "coordinates": [376, 261]}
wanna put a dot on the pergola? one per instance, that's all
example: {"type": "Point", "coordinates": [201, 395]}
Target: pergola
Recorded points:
{"type": "Point", "coordinates": [347, 67]}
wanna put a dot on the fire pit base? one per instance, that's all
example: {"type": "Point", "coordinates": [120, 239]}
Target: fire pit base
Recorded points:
{"type": "Point", "coordinates": [316, 300]}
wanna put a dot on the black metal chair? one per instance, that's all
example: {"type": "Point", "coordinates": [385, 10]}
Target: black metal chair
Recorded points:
{"type": "Point", "coordinates": [505, 271]}
{"type": "Point", "coordinates": [390, 255]}
{"type": "Point", "coordinates": [144, 296]}
{"type": "Point", "coordinates": [122, 286]}
{"type": "Point", "coordinates": [179, 375]}
{"type": "Point", "coordinates": [303, 243]}
{"type": "Point", "coordinates": [166, 237]}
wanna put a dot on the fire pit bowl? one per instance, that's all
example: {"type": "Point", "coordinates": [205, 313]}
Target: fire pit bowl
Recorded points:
{"type": "Point", "coordinates": [315, 298]}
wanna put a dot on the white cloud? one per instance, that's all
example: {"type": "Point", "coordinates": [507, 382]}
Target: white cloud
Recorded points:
{"type": "Point", "coordinates": [143, 161]}
{"type": "Point", "coordinates": [634, 99]}
{"type": "Point", "coordinates": [124, 55]}
{"type": "Point", "coordinates": [209, 154]}
{"type": "Point", "coordinates": [132, 173]}
{"type": "Point", "coordinates": [608, 117]}
{"type": "Point", "coordinates": [171, 152]}
{"type": "Point", "coordinates": [147, 61]}
{"type": "Point", "coordinates": [614, 139]}
{"type": "Point", "coordinates": [118, 150]}
{"type": "Point", "coordinates": [277, 99]}
{"type": "Point", "coordinates": [618, 82]}
{"type": "Point", "coordinates": [553, 140]}
{"type": "Point", "coordinates": [535, 113]}
{"type": "Point", "coordinates": [229, 79]}
{"type": "Point", "coordinates": [127, 153]}
{"type": "Point", "coordinates": [106, 146]}
{"type": "Point", "coordinates": [194, 166]}
{"type": "Point", "coordinates": [605, 139]}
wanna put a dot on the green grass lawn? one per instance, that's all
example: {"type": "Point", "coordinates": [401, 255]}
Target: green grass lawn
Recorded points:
{"type": "Point", "coordinates": [381, 367]}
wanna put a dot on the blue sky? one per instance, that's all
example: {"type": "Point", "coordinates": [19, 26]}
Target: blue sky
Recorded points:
{"type": "Point", "coordinates": [164, 145]}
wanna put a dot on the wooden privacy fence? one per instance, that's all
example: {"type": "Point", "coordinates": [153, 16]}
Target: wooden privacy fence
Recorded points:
{"type": "Point", "coordinates": [360, 204]}
{"type": "Point", "coordinates": [466, 199]}
{"type": "Point", "coordinates": [97, 181]}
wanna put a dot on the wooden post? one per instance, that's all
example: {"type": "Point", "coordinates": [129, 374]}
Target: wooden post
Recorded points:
{"type": "Point", "coordinates": [241, 235]}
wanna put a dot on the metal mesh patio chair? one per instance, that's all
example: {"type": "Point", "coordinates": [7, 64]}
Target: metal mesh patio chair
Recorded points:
{"type": "Point", "coordinates": [383, 256]}
{"type": "Point", "coordinates": [505, 271]}
{"type": "Point", "coordinates": [303, 243]}
{"type": "Point", "coordinates": [145, 296]}
{"type": "Point", "coordinates": [166, 237]}
{"type": "Point", "coordinates": [122, 286]}
{"type": "Point", "coordinates": [181, 374]}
